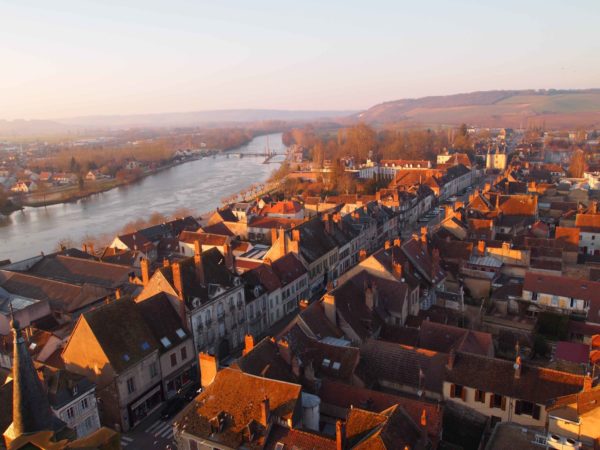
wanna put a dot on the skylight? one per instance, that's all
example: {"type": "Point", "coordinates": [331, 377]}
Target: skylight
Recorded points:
{"type": "Point", "coordinates": [165, 341]}
{"type": "Point", "coordinates": [145, 345]}
{"type": "Point", "coordinates": [336, 365]}
{"type": "Point", "coordinates": [126, 357]}
{"type": "Point", "coordinates": [326, 362]}
{"type": "Point", "coordinates": [180, 333]}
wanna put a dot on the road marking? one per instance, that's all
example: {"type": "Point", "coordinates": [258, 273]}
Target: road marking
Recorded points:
{"type": "Point", "coordinates": [154, 426]}
{"type": "Point", "coordinates": [125, 441]}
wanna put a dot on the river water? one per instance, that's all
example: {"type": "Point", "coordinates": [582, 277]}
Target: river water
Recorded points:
{"type": "Point", "coordinates": [197, 185]}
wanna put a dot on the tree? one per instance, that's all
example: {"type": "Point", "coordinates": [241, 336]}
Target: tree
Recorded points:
{"type": "Point", "coordinates": [577, 164]}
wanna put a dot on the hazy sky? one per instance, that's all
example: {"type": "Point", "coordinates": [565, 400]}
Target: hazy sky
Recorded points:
{"type": "Point", "coordinates": [66, 58]}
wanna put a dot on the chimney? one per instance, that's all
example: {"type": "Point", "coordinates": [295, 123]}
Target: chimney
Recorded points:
{"type": "Point", "coordinates": [424, 236]}
{"type": "Point", "coordinates": [296, 235]}
{"type": "Point", "coordinates": [593, 207]}
{"type": "Point", "coordinates": [387, 245]}
{"type": "Point", "coordinates": [166, 262]}
{"type": "Point", "coordinates": [118, 293]}
{"type": "Point", "coordinates": [451, 359]}
{"type": "Point", "coordinates": [84, 248]}
{"type": "Point", "coordinates": [481, 248]}
{"type": "Point", "coordinates": [145, 266]}
{"type": "Point", "coordinates": [327, 223]}
{"type": "Point", "coordinates": [362, 255]}
{"type": "Point", "coordinates": [518, 367]}
{"type": "Point", "coordinates": [273, 235]}
{"type": "Point", "coordinates": [587, 382]}
{"type": "Point", "coordinates": [198, 264]}
{"type": "Point", "coordinates": [248, 343]}
{"type": "Point", "coordinates": [397, 242]}
{"type": "Point", "coordinates": [228, 253]}
{"type": "Point", "coordinates": [265, 411]}
{"type": "Point", "coordinates": [397, 268]}
{"type": "Point", "coordinates": [303, 304]}
{"type": "Point", "coordinates": [208, 368]}
{"type": "Point", "coordinates": [329, 306]}
{"type": "Point", "coordinates": [340, 435]}
{"type": "Point", "coordinates": [177, 279]}
{"type": "Point", "coordinates": [371, 296]}
{"type": "Point", "coordinates": [284, 350]}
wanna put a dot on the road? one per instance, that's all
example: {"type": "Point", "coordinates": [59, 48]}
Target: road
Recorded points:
{"type": "Point", "coordinates": [151, 433]}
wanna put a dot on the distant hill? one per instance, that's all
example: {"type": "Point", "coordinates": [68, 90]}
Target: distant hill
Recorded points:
{"type": "Point", "coordinates": [199, 118]}
{"type": "Point", "coordinates": [78, 125]}
{"type": "Point", "coordinates": [554, 108]}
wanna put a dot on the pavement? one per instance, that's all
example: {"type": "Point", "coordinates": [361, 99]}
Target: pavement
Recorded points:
{"type": "Point", "coordinates": [151, 433]}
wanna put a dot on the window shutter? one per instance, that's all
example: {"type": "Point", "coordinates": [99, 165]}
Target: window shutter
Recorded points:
{"type": "Point", "coordinates": [463, 393]}
{"type": "Point", "coordinates": [503, 403]}
{"type": "Point", "coordinates": [492, 400]}
{"type": "Point", "coordinates": [452, 390]}
{"type": "Point", "coordinates": [536, 411]}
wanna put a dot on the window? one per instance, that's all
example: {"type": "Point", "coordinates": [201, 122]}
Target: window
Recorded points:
{"type": "Point", "coordinates": [458, 391]}
{"type": "Point", "coordinates": [84, 403]}
{"type": "Point", "coordinates": [193, 444]}
{"type": "Point", "coordinates": [173, 359]}
{"type": "Point", "coordinates": [479, 396]}
{"type": "Point", "coordinates": [70, 412]}
{"type": "Point", "coordinates": [153, 370]}
{"type": "Point", "coordinates": [527, 408]}
{"type": "Point", "coordinates": [165, 342]}
{"type": "Point", "coordinates": [497, 401]}
{"type": "Point", "coordinates": [130, 385]}
{"type": "Point", "coordinates": [183, 353]}
{"type": "Point", "coordinates": [145, 346]}
{"type": "Point", "coordinates": [180, 333]}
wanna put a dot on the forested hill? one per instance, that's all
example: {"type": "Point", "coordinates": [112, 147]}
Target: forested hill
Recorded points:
{"type": "Point", "coordinates": [553, 108]}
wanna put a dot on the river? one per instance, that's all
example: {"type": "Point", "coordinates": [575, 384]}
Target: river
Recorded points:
{"type": "Point", "coordinates": [198, 185]}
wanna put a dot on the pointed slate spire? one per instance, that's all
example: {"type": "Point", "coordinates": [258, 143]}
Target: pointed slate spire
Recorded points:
{"type": "Point", "coordinates": [31, 409]}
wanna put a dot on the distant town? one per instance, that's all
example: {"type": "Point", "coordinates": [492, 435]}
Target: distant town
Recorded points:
{"type": "Point", "coordinates": [387, 288]}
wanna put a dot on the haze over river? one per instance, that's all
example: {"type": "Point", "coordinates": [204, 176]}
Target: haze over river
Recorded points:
{"type": "Point", "coordinates": [198, 185]}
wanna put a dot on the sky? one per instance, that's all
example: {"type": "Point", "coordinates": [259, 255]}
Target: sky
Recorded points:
{"type": "Point", "coordinates": [65, 58]}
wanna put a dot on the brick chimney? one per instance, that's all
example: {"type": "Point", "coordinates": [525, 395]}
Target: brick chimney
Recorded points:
{"type": "Point", "coordinates": [303, 304]}
{"type": "Point", "coordinates": [228, 253]}
{"type": "Point", "coordinates": [329, 306]}
{"type": "Point", "coordinates": [593, 207]}
{"type": "Point", "coordinates": [208, 368]}
{"type": "Point", "coordinates": [166, 262]}
{"type": "Point", "coordinates": [362, 255]}
{"type": "Point", "coordinates": [177, 279]}
{"type": "Point", "coordinates": [198, 264]}
{"type": "Point", "coordinates": [284, 350]}
{"type": "Point", "coordinates": [145, 267]}
{"type": "Point", "coordinates": [481, 248]}
{"type": "Point", "coordinates": [265, 411]}
{"type": "Point", "coordinates": [424, 237]}
{"type": "Point", "coordinates": [327, 223]}
{"type": "Point", "coordinates": [587, 382]}
{"type": "Point", "coordinates": [118, 293]}
{"type": "Point", "coordinates": [518, 367]}
{"type": "Point", "coordinates": [248, 343]}
{"type": "Point", "coordinates": [84, 248]}
{"type": "Point", "coordinates": [340, 435]}
{"type": "Point", "coordinates": [387, 245]}
{"type": "Point", "coordinates": [397, 242]}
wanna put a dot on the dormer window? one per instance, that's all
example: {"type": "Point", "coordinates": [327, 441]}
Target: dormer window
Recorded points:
{"type": "Point", "coordinates": [126, 357]}
{"type": "Point", "coordinates": [145, 346]}
{"type": "Point", "coordinates": [165, 342]}
{"type": "Point", "coordinates": [180, 333]}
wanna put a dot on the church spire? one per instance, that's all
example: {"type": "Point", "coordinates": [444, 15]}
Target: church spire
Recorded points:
{"type": "Point", "coordinates": [31, 409]}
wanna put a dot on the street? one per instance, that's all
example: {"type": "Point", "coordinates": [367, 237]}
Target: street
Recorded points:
{"type": "Point", "coordinates": [151, 433]}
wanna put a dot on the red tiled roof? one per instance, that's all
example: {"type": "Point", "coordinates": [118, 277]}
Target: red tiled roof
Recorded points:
{"type": "Point", "coordinates": [284, 207]}
{"type": "Point", "coordinates": [572, 351]}
{"type": "Point", "coordinates": [348, 396]}
{"type": "Point", "coordinates": [588, 222]}
{"type": "Point", "coordinates": [189, 237]}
